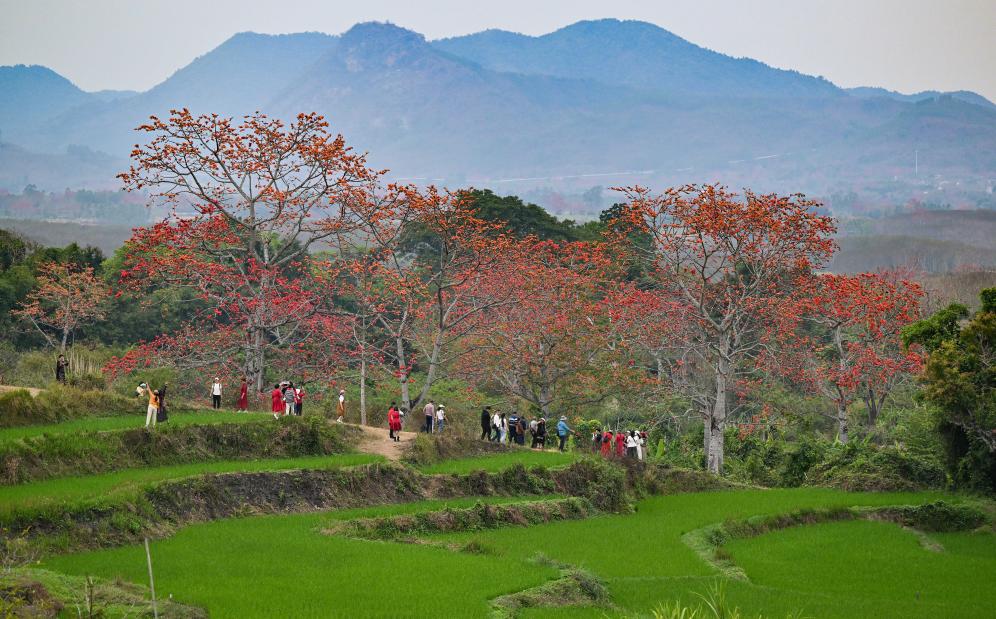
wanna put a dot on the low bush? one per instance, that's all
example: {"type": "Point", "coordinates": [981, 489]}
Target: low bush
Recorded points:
{"type": "Point", "coordinates": [937, 517]}
{"type": "Point", "coordinates": [866, 467]}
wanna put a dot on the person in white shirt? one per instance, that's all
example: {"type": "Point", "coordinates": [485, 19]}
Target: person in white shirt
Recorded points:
{"type": "Point", "coordinates": [496, 425]}
{"type": "Point", "coordinates": [631, 442]}
{"type": "Point", "coordinates": [430, 413]}
{"type": "Point", "coordinates": [216, 393]}
{"type": "Point", "coordinates": [440, 418]}
{"type": "Point", "coordinates": [639, 446]}
{"type": "Point", "coordinates": [341, 406]}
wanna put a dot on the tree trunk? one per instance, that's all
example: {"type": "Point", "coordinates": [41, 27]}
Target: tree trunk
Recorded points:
{"type": "Point", "coordinates": [706, 437]}
{"type": "Point", "coordinates": [717, 423]}
{"type": "Point", "coordinates": [406, 400]}
{"type": "Point", "coordinates": [255, 360]}
{"type": "Point", "coordinates": [871, 402]}
{"type": "Point", "coordinates": [842, 432]}
{"type": "Point", "coordinates": [363, 389]}
{"type": "Point", "coordinates": [65, 338]}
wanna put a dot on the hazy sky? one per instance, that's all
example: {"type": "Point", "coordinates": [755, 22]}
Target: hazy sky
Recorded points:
{"type": "Point", "coordinates": [905, 45]}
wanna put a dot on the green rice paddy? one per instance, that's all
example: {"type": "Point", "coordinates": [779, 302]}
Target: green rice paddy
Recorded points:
{"type": "Point", "coordinates": [283, 566]}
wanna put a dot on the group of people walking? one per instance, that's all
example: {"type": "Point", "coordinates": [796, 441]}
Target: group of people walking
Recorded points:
{"type": "Point", "coordinates": [286, 399]}
{"type": "Point", "coordinates": [619, 444]}
{"type": "Point", "coordinates": [498, 426]}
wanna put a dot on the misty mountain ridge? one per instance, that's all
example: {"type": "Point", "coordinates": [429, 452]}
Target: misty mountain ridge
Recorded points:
{"type": "Point", "coordinates": [597, 102]}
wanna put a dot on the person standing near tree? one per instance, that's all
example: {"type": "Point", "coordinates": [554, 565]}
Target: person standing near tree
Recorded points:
{"type": "Point", "coordinates": [340, 407]}
{"type": "Point", "coordinates": [61, 365]}
{"type": "Point", "coordinates": [276, 401]}
{"type": "Point", "coordinates": [216, 393]}
{"type": "Point", "coordinates": [486, 423]}
{"type": "Point", "coordinates": [620, 444]}
{"type": "Point", "coordinates": [394, 423]}
{"type": "Point", "coordinates": [440, 418]}
{"type": "Point", "coordinates": [539, 435]}
{"type": "Point", "coordinates": [243, 396]}
{"type": "Point", "coordinates": [430, 413]}
{"type": "Point", "coordinates": [563, 431]}
{"type": "Point", "coordinates": [299, 401]}
{"type": "Point", "coordinates": [289, 395]}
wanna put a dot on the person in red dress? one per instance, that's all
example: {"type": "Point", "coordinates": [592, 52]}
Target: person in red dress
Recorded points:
{"type": "Point", "coordinates": [394, 422]}
{"type": "Point", "coordinates": [243, 396]}
{"type": "Point", "coordinates": [607, 444]}
{"type": "Point", "coordinates": [620, 444]}
{"type": "Point", "coordinates": [278, 401]}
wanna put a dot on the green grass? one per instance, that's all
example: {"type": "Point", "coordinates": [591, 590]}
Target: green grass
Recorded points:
{"type": "Point", "coordinates": [279, 566]}
{"type": "Point", "coordinates": [124, 422]}
{"type": "Point", "coordinates": [496, 462]}
{"type": "Point", "coordinates": [111, 485]}
{"type": "Point", "coordinates": [282, 567]}
{"type": "Point", "coordinates": [643, 560]}
{"type": "Point", "coordinates": [874, 569]}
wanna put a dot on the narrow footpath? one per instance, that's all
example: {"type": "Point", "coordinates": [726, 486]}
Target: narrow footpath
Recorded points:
{"type": "Point", "coordinates": [376, 441]}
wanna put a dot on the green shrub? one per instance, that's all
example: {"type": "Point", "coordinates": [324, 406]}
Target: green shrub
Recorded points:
{"type": "Point", "coordinates": [866, 467]}
{"type": "Point", "coordinates": [939, 517]}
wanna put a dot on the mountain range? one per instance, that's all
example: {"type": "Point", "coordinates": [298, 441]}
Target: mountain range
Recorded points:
{"type": "Point", "coordinates": [602, 102]}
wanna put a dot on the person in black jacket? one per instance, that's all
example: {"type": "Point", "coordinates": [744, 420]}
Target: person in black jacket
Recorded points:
{"type": "Point", "coordinates": [60, 369]}
{"type": "Point", "coordinates": [486, 424]}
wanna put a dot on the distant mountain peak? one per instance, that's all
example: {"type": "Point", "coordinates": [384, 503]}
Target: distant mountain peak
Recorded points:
{"type": "Point", "coordinates": [377, 44]}
{"type": "Point", "coordinates": [375, 32]}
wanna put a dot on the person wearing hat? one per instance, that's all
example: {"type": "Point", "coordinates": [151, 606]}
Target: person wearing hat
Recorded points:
{"type": "Point", "coordinates": [486, 423]}
{"type": "Point", "coordinates": [440, 418]}
{"type": "Point", "coordinates": [340, 407]}
{"type": "Point", "coordinates": [539, 434]}
{"type": "Point", "coordinates": [563, 431]}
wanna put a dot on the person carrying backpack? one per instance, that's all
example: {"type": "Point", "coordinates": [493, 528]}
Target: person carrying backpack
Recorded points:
{"type": "Point", "coordinates": [513, 427]}
{"type": "Point", "coordinates": [520, 432]}
{"type": "Point", "coordinates": [486, 423]}
{"type": "Point", "coordinates": [539, 435]}
{"type": "Point", "coordinates": [563, 431]}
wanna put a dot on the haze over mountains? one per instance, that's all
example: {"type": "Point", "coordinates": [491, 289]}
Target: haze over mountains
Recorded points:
{"type": "Point", "coordinates": [596, 103]}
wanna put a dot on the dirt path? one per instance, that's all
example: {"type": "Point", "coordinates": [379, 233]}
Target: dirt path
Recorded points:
{"type": "Point", "coordinates": [32, 390]}
{"type": "Point", "coordinates": [376, 441]}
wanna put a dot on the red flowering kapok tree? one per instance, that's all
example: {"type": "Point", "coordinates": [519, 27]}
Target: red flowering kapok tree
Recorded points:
{"type": "Point", "coordinates": [555, 346]}
{"type": "Point", "coordinates": [855, 350]}
{"type": "Point", "coordinates": [421, 281]}
{"type": "Point", "coordinates": [66, 298]}
{"type": "Point", "coordinates": [731, 258]}
{"type": "Point", "coordinates": [250, 199]}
